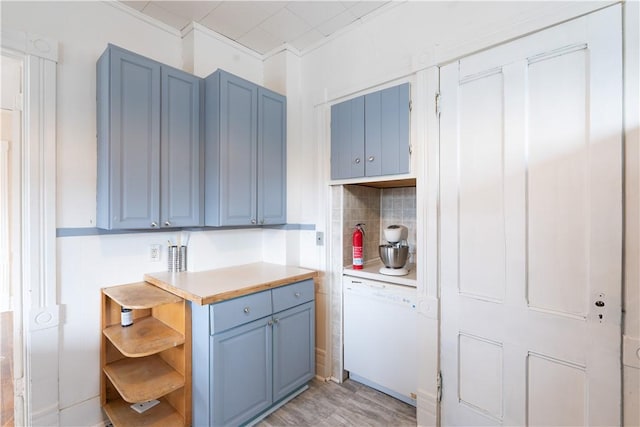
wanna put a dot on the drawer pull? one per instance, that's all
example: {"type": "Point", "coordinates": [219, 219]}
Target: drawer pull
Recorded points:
{"type": "Point", "coordinates": [297, 294]}
{"type": "Point", "coordinates": [246, 310]}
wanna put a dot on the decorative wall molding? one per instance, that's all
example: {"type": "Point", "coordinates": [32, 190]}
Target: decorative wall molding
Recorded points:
{"type": "Point", "coordinates": [39, 290]}
{"type": "Point", "coordinates": [30, 44]}
{"type": "Point", "coordinates": [141, 16]}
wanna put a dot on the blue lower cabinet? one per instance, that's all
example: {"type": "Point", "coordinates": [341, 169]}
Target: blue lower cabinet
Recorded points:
{"type": "Point", "coordinates": [247, 356]}
{"type": "Point", "coordinates": [293, 349]}
{"type": "Point", "coordinates": [241, 374]}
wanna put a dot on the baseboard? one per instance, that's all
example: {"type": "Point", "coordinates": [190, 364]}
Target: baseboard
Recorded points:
{"type": "Point", "coordinates": [321, 364]}
{"type": "Point", "coordinates": [427, 409]}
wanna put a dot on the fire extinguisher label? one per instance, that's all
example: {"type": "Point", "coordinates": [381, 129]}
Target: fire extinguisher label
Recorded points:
{"type": "Point", "coordinates": [357, 255]}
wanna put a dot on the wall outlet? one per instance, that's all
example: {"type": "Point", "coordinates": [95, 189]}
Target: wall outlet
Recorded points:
{"type": "Point", "coordinates": [154, 253]}
{"type": "Point", "coordinates": [319, 238]}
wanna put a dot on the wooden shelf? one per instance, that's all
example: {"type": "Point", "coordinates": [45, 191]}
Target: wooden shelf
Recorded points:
{"type": "Point", "coordinates": [143, 378]}
{"type": "Point", "coordinates": [145, 337]}
{"type": "Point", "coordinates": [161, 415]}
{"type": "Point", "coordinates": [140, 295]}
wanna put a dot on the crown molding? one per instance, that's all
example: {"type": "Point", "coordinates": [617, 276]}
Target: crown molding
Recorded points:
{"type": "Point", "coordinates": [141, 16]}
{"type": "Point", "coordinates": [195, 27]}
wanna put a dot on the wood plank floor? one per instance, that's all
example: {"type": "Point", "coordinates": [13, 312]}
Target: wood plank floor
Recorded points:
{"type": "Point", "coordinates": [6, 369]}
{"type": "Point", "coordinates": [330, 404]}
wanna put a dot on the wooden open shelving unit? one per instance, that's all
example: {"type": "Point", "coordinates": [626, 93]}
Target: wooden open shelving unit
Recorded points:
{"type": "Point", "coordinates": [150, 359]}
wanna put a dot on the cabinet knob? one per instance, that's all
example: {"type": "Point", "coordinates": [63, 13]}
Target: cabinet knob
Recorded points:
{"type": "Point", "coordinates": [154, 224]}
{"type": "Point", "coordinates": [262, 222]}
{"type": "Point", "coordinates": [167, 224]}
{"type": "Point", "coordinates": [253, 221]}
{"type": "Point", "coordinates": [246, 310]}
{"type": "Point", "coordinates": [297, 295]}
{"type": "Point", "coordinates": [270, 322]}
{"type": "Point", "coordinates": [357, 160]}
{"type": "Point", "coordinates": [371, 158]}
{"type": "Point", "coordinates": [276, 320]}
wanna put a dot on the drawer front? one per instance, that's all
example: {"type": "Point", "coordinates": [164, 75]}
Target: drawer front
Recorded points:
{"type": "Point", "coordinates": [237, 311]}
{"type": "Point", "coordinates": [291, 295]}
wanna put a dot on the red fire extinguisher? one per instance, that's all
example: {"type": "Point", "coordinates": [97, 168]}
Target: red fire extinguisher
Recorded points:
{"type": "Point", "coordinates": [358, 253]}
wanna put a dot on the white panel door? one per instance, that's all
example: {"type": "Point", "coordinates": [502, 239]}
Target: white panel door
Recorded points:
{"type": "Point", "coordinates": [531, 231]}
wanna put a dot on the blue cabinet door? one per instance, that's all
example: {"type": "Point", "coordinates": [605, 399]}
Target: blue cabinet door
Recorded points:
{"type": "Point", "coordinates": [182, 203]}
{"type": "Point", "coordinates": [293, 349]}
{"type": "Point", "coordinates": [238, 151]}
{"type": "Point", "coordinates": [387, 131]}
{"type": "Point", "coordinates": [272, 157]}
{"type": "Point", "coordinates": [128, 140]}
{"type": "Point", "coordinates": [241, 380]}
{"type": "Point", "coordinates": [347, 139]}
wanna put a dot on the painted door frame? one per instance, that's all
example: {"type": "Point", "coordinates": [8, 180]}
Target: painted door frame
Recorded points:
{"type": "Point", "coordinates": [37, 394]}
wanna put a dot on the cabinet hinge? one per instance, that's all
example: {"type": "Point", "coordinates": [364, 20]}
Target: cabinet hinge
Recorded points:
{"type": "Point", "coordinates": [438, 104]}
{"type": "Point", "coordinates": [439, 386]}
{"type": "Point", "coordinates": [410, 105]}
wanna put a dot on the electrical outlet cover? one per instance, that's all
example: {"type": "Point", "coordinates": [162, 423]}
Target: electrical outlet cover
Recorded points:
{"type": "Point", "coordinates": [154, 253]}
{"type": "Point", "coordinates": [140, 407]}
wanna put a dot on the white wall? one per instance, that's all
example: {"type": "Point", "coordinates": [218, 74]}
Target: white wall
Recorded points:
{"type": "Point", "coordinates": [409, 37]}
{"type": "Point", "coordinates": [87, 263]}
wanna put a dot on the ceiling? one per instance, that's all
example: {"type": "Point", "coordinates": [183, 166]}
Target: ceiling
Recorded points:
{"type": "Point", "coordinates": [261, 25]}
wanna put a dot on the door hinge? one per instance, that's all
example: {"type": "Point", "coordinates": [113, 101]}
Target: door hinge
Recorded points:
{"type": "Point", "coordinates": [439, 386]}
{"type": "Point", "coordinates": [437, 104]}
{"type": "Point", "coordinates": [18, 387]}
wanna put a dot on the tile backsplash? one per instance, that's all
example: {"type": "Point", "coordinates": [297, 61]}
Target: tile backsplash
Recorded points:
{"type": "Point", "coordinates": [377, 208]}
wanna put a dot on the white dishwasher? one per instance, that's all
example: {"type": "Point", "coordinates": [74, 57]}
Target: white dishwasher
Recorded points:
{"type": "Point", "coordinates": [380, 348]}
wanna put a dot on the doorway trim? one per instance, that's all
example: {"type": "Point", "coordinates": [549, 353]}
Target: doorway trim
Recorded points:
{"type": "Point", "coordinates": [37, 395]}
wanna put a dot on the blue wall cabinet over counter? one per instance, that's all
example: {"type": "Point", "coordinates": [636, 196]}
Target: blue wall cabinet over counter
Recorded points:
{"type": "Point", "coordinates": [245, 152]}
{"type": "Point", "coordinates": [251, 352]}
{"type": "Point", "coordinates": [370, 134]}
{"type": "Point", "coordinates": [149, 144]}
{"type": "Point", "coordinates": [347, 139]}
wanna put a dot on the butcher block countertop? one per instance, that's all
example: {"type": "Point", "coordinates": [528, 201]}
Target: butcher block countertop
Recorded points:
{"type": "Point", "coordinates": [206, 287]}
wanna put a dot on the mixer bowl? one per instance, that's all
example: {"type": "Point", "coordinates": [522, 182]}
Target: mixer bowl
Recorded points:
{"type": "Point", "coordinates": [393, 256]}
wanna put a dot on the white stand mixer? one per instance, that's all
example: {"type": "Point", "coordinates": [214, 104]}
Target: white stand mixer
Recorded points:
{"type": "Point", "coordinates": [394, 255]}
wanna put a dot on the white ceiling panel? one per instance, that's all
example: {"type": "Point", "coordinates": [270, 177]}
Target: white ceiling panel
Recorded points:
{"type": "Point", "coordinates": [259, 40]}
{"type": "Point", "coordinates": [260, 25]}
{"type": "Point", "coordinates": [285, 25]}
{"type": "Point", "coordinates": [236, 18]}
{"type": "Point", "coordinates": [336, 23]}
{"type": "Point", "coordinates": [316, 12]}
{"type": "Point", "coordinates": [171, 19]}
{"type": "Point", "coordinates": [192, 10]}
{"type": "Point", "coordinates": [362, 8]}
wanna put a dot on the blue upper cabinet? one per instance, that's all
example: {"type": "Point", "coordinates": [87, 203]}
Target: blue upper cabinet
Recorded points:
{"type": "Point", "coordinates": [272, 156]}
{"type": "Point", "coordinates": [347, 139]}
{"type": "Point", "coordinates": [128, 108]}
{"type": "Point", "coordinates": [245, 153]}
{"type": "Point", "coordinates": [149, 143]}
{"type": "Point", "coordinates": [181, 171]}
{"type": "Point", "coordinates": [370, 134]}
